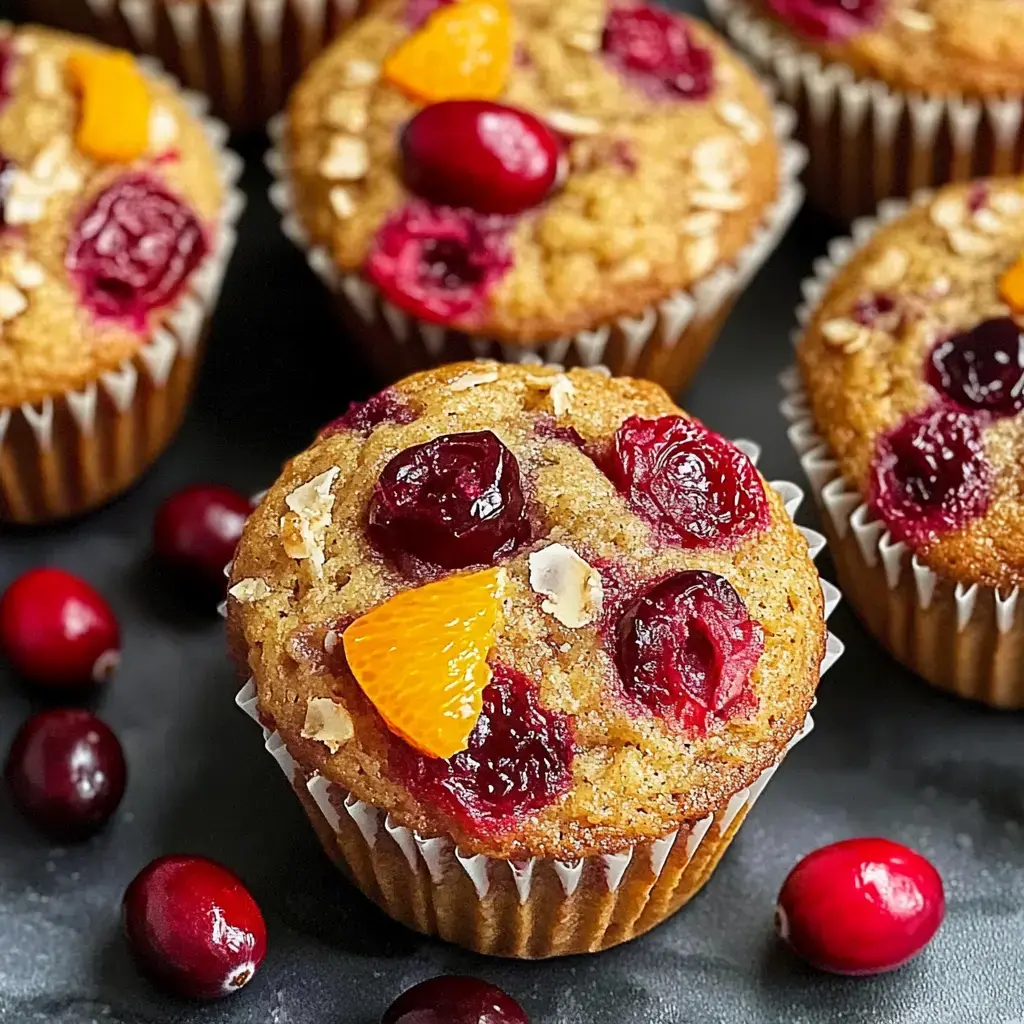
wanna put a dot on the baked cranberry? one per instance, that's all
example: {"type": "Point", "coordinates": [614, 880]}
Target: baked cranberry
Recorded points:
{"type": "Point", "coordinates": [487, 156]}
{"type": "Point", "coordinates": [519, 760]}
{"type": "Point", "coordinates": [7, 58]}
{"type": "Point", "coordinates": [656, 49]}
{"type": "Point", "coordinates": [930, 475]}
{"type": "Point", "coordinates": [454, 1000]}
{"type": "Point", "coordinates": [386, 406]}
{"type": "Point", "coordinates": [453, 502]}
{"type": "Point", "coordinates": [689, 483]}
{"type": "Point", "coordinates": [547, 426]}
{"type": "Point", "coordinates": [876, 309]}
{"type": "Point", "coordinates": [686, 650]}
{"type": "Point", "coordinates": [56, 630]}
{"type": "Point", "coordinates": [982, 368]}
{"type": "Point", "coordinates": [977, 196]}
{"type": "Point", "coordinates": [439, 263]}
{"type": "Point", "coordinates": [830, 20]}
{"type": "Point", "coordinates": [66, 772]}
{"type": "Point", "coordinates": [193, 927]}
{"type": "Point", "coordinates": [417, 11]}
{"type": "Point", "coordinates": [133, 250]}
{"type": "Point", "coordinates": [861, 906]}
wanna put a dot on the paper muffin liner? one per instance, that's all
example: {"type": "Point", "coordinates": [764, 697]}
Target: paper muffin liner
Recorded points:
{"type": "Point", "coordinates": [538, 907]}
{"type": "Point", "coordinates": [77, 450]}
{"type": "Point", "coordinates": [868, 141]}
{"type": "Point", "coordinates": [666, 343]}
{"type": "Point", "coordinates": [967, 639]}
{"type": "Point", "coordinates": [244, 54]}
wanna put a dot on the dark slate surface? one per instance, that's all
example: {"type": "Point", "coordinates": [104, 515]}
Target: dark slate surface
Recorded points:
{"type": "Point", "coordinates": [889, 756]}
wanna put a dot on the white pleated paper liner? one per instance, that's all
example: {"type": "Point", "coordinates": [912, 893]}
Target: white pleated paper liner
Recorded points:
{"type": "Point", "coordinates": [666, 343]}
{"type": "Point", "coordinates": [536, 907]}
{"type": "Point", "coordinates": [866, 140]}
{"type": "Point", "coordinates": [968, 639]}
{"type": "Point", "coordinates": [77, 450]}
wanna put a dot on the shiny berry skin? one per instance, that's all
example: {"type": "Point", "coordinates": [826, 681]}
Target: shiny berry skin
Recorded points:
{"type": "Point", "coordinates": [694, 487]}
{"type": "Point", "coordinates": [56, 630]}
{"type": "Point", "coordinates": [487, 156]}
{"type": "Point", "coordinates": [385, 406]}
{"type": "Point", "coordinates": [861, 906]}
{"type": "Point", "coordinates": [196, 531]}
{"type": "Point", "coordinates": [451, 503]}
{"type": "Point", "coordinates": [930, 475]}
{"type": "Point", "coordinates": [193, 927]}
{"type": "Point", "coordinates": [66, 772]}
{"type": "Point", "coordinates": [454, 1000]}
{"type": "Point", "coordinates": [982, 369]}
{"type": "Point", "coordinates": [830, 20]}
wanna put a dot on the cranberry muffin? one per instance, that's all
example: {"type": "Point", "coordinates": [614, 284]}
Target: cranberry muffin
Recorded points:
{"type": "Point", "coordinates": [909, 419]}
{"type": "Point", "coordinates": [587, 182]}
{"type": "Point", "coordinates": [117, 205]}
{"type": "Point", "coordinates": [529, 644]}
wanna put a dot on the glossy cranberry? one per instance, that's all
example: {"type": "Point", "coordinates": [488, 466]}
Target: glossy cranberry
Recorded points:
{"type": "Point", "coordinates": [657, 51]}
{"type": "Point", "coordinates": [453, 502]}
{"type": "Point", "coordinates": [694, 487]}
{"type": "Point", "coordinates": [454, 1000]}
{"type": "Point", "coordinates": [66, 772]}
{"type": "Point", "coordinates": [487, 156]}
{"type": "Point", "coordinates": [196, 530]}
{"type": "Point", "coordinates": [133, 250]}
{"type": "Point", "coordinates": [385, 406]}
{"type": "Point", "coordinates": [861, 906]}
{"type": "Point", "coordinates": [417, 11]}
{"type": "Point", "coordinates": [830, 20]}
{"type": "Point", "coordinates": [983, 368]}
{"type": "Point", "coordinates": [930, 475]}
{"type": "Point", "coordinates": [439, 263]}
{"type": "Point", "coordinates": [56, 630]}
{"type": "Point", "coordinates": [193, 927]}
{"type": "Point", "coordinates": [519, 760]}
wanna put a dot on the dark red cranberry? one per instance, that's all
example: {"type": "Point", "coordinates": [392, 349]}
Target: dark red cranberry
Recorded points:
{"type": "Point", "coordinates": [830, 20]}
{"type": "Point", "coordinates": [694, 487]}
{"type": "Point", "coordinates": [417, 11]}
{"type": "Point", "coordinates": [454, 1000]}
{"type": "Point", "coordinates": [193, 927]}
{"type": "Point", "coordinates": [439, 263]}
{"type": "Point", "coordinates": [133, 250]}
{"type": "Point", "coordinates": [983, 368]}
{"type": "Point", "coordinates": [519, 759]}
{"type": "Point", "coordinates": [386, 406]}
{"type": "Point", "coordinates": [57, 630]}
{"type": "Point", "coordinates": [686, 650]}
{"type": "Point", "coordinates": [876, 309]}
{"type": "Point", "coordinates": [656, 49]}
{"type": "Point", "coordinates": [487, 156]}
{"type": "Point", "coordinates": [453, 502]}
{"type": "Point", "coordinates": [7, 58]}
{"type": "Point", "coordinates": [66, 772]}
{"type": "Point", "coordinates": [930, 475]}
{"type": "Point", "coordinates": [862, 906]}
{"type": "Point", "coordinates": [196, 531]}
{"type": "Point", "coordinates": [977, 196]}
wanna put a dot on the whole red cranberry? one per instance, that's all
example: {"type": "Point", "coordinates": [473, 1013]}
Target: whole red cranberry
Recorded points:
{"type": "Point", "coordinates": [56, 630]}
{"type": "Point", "coordinates": [386, 406]}
{"type": "Point", "coordinates": [830, 20]}
{"type": "Point", "coordinates": [196, 531]}
{"type": "Point", "coordinates": [133, 249]}
{"type": "Point", "coordinates": [438, 263]}
{"type": "Point", "coordinates": [487, 156]}
{"type": "Point", "coordinates": [454, 1000]}
{"type": "Point", "coordinates": [66, 772]}
{"type": "Point", "coordinates": [193, 927]}
{"type": "Point", "coordinates": [453, 502]}
{"type": "Point", "coordinates": [694, 487]}
{"type": "Point", "coordinates": [861, 906]}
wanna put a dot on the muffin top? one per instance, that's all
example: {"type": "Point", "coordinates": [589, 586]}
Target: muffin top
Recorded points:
{"type": "Point", "coordinates": [526, 170]}
{"type": "Point", "coordinates": [914, 365]}
{"type": "Point", "coordinates": [628, 618]}
{"type": "Point", "coordinates": [109, 192]}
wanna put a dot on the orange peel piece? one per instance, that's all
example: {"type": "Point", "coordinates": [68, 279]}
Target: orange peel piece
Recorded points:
{"type": "Point", "coordinates": [464, 51]}
{"type": "Point", "coordinates": [116, 105]}
{"type": "Point", "coordinates": [421, 658]}
{"type": "Point", "coordinates": [1011, 286]}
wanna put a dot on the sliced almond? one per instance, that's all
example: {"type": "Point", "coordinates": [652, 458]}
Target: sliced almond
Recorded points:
{"type": "Point", "coordinates": [845, 334]}
{"type": "Point", "coordinates": [587, 42]}
{"type": "Point", "coordinates": [965, 242]}
{"type": "Point", "coordinates": [1006, 202]}
{"type": "Point", "coordinates": [916, 21]}
{"type": "Point", "coordinates": [347, 111]}
{"type": "Point", "coordinates": [562, 393]}
{"type": "Point", "coordinates": [163, 128]}
{"type": "Point", "coordinates": [734, 114]}
{"type": "Point", "coordinates": [723, 202]}
{"type": "Point", "coordinates": [328, 723]}
{"type": "Point", "coordinates": [473, 379]}
{"type": "Point", "coordinates": [702, 255]}
{"type": "Point", "coordinates": [948, 212]}
{"type": "Point", "coordinates": [12, 302]}
{"type": "Point", "coordinates": [633, 269]}
{"type": "Point", "coordinates": [988, 222]}
{"type": "Point", "coordinates": [347, 159]}
{"type": "Point", "coordinates": [303, 528]}
{"type": "Point", "coordinates": [25, 273]}
{"type": "Point", "coordinates": [571, 587]}
{"type": "Point", "coordinates": [361, 72]}
{"type": "Point", "coordinates": [46, 77]}
{"type": "Point", "coordinates": [249, 590]}
{"type": "Point", "coordinates": [697, 225]}
{"type": "Point", "coordinates": [717, 153]}
{"type": "Point", "coordinates": [888, 270]}
{"type": "Point", "coordinates": [573, 125]}
{"type": "Point", "coordinates": [342, 203]}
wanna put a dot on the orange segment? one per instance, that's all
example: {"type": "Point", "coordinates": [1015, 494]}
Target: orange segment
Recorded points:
{"type": "Point", "coordinates": [116, 106]}
{"type": "Point", "coordinates": [421, 658]}
{"type": "Point", "coordinates": [463, 52]}
{"type": "Point", "coordinates": [1011, 286]}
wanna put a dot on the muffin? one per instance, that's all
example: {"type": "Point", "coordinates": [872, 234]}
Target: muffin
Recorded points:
{"type": "Point", "coordinates": [117, 205]}
{"type": "Point", "coordinates": [907, 412]}
{"type": "Point", "coordinates": [892, 96]}
{"type": "Point", "coordinates": [528, 644]}
{"type": "Point", "coordinates": [577, 182]}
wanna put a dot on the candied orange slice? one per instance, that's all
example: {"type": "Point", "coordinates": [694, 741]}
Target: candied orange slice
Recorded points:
{"type": "Point", "coordinates": [1011, 286]}
{"type": "Point", "coordinates": [464, 51]}
{"type": "Point", "coordinates": [116, 106]}
{"type": "Point", "coordinates": [421, 658]}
